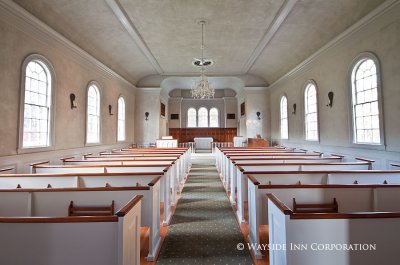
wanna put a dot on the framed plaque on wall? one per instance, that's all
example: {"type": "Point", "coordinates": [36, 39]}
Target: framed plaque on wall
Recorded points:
{"type": "Point", "coordinates": [162, 110]}
{"type": "Point", "coordinates": [242, 109]}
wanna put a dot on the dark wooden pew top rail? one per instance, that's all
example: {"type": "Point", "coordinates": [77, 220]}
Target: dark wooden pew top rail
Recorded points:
{"type": "Point", "coordinates": [17, 175]}
{"type": "Point", "coordinates": [321, 172]}
{"type": "Point", "coordinates": [352, 215]}
{"type": "Point", "coordinates": [240, 166]}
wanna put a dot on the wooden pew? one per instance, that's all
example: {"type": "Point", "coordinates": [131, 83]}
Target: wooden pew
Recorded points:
{"type": "Point", "coordinates": [178, 174]}
{"type": "Point", "coordinates": [183, 156]}
{"type": "Point", "coordinates": [229, 177]}
{"type": "Point", "coordinates": [54, 201]}
{"type": "Point", "coordinates": [64, 240]}
{"type": "Point", "coordinates": [261, 184]}
{"type": "Point", "coordinates": [226, 159]}
{"type": "Point", "coordinates": [243, 170]}
{"type": "Point", "coordinates": [7, 170]}
{"type": "Point", "coordinates": [168, 192]}
{"type": "Point", "coordinates": [354, 235]}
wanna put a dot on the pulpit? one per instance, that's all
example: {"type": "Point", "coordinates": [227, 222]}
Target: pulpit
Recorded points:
{"type": "Point", "coordinates": [203, 143]}
{"type": "Point", "coordinates": [257, 142]}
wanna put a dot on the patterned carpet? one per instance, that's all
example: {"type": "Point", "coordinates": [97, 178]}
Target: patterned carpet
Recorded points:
{"type": "Point", "coordinates": [203, 229]}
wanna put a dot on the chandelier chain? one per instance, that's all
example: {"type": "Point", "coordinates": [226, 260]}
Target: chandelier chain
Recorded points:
{"type": "Point", "coordinates": [202, 88]}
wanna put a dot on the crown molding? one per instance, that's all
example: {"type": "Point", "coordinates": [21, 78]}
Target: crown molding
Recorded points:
{"type": "Point", "coordinates": [123, 17]}
{"type": "Point", "coordinates": [269, 34]}
{"type": "Point", "coordinates": [148, 89]}
{"type": "Point", "coordinates": [255, 89]}
{"type": "Point", "coordinates": [197, 74]}
{"type": "Point", "coordinates": [24, 21]}
{"type": "Point", "coordinates": [369, 18]}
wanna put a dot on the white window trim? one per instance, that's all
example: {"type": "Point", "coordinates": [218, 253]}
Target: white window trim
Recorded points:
{"type": "Point", "coordinates": [280, 116]}
{"type": "Point", "coordinates": [21, 149]}
{"type": "Point", "coordinates": [125, 140]}
{"type": "Point", "coordinates": [86, 114]}
{"type": "Point", "coordinates": [304, 111]}
{"type": "Point", "coordinates": [354, 63]}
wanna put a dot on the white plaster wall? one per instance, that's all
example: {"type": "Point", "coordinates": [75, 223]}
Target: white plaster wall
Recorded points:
{"type": "Point", "coordinates": [174, 107]}
{"type": "Point", "coordinates": [147, 100]}
{"type": "Point", "coordinates": [72, 75]}
{"type": "Point", "coordinates": [230, 107]}
{"type": "Point", "coordinates": [330, 70]}
{"type": "Point", "coordinates": [257, 101]}
{"type": "Point", "coordinates": [181, 105]}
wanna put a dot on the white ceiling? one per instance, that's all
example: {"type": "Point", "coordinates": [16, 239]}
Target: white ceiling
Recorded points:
{"type": "Point", "coordinates": [146, 40]}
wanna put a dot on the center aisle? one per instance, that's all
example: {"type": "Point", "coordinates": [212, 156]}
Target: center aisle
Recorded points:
{"type": "Point", "coordinates": [203, 229]}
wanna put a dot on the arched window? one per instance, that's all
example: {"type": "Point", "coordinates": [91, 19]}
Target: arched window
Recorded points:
{"type": "Point", "coordinates": [121, 120]}
{"type": "Point", "coordinates": [203, 117]}
{"type": "Point", "coordinates": [93, 115]}
{"type": "Point", "coordinates": [365, 101]}
{"type": "Point", "coordinates": [191, 118]}
{"type": "Point", "coordinates": [284, 119]}
{"type": "Point", "coordinates": [214, 117]}
{"type": "Point", "coordinates": [37, 90]}
{"type": "Point", "coordinates": [311, 112]}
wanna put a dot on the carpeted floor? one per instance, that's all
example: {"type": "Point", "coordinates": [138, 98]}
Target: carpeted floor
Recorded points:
{"type": "Point", "coordinates": [203, 229]}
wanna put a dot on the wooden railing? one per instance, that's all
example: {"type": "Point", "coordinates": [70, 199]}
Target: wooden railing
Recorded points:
{"type": "Point", "coordinates": [188, 134]}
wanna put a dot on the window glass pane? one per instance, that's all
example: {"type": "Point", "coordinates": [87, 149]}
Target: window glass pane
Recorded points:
{"type": "Point", "coordinates": [37, 106]}
{"type": "Point", "coordinates": [365, 103]}
{"type": "Point", "coordinates": [93, 115]}
{"type": "Point", "coordinates": [311, 112]}
{"type": "Point", "coordinates": [284, 118]}
{"type": "Point", "coordinates": [121, 120]}
{"type": "Point", "coordinates": [214, 119]}
{"type": "Point", "coordinates": [191, 118]}
{"type": "Point", "coordinates": [203, 117]}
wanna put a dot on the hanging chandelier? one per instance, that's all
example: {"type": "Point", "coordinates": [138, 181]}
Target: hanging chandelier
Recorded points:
{"type": "Point", "coordinates": [202, 88]}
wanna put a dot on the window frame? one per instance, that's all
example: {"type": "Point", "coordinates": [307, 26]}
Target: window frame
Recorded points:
{"type": "Point", "coordinates": [91, 83]}
{"type": "Point", "coordinates": [305, 101]}
{"type": "Point", "coordinates": [124, 100]}
{"type": "Point", "coordinates": [280, 117]}
{"type": "Point", "coordinates": [351, 71]}
{"type": "Point", "coordinates": [51, 137]}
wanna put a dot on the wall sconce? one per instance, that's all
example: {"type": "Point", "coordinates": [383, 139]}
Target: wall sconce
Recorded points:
{"type": "Point", "coordinates": [110, 110]}
{"type": "Point", "coordinates": [294, 108]}
{"type": "Point", "coordinates": [330, 99]}
{"type": "Point", "coordinates": [72, 100]}
{"type": "Point", "coordinates": [146, 116]}
{"type": "Point", "coordinates": [258, 115]}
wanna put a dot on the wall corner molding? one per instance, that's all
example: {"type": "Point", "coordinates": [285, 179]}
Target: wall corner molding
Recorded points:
{"type": "Point", "coordinates": [279, 19]}
{"type": "Point", "coordinates": [130, 28]}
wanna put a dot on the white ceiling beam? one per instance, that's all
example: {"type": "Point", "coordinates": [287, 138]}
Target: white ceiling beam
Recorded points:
{"type": "Point", "coordinates": [123, 17]}
{"type": "Point", "coordinates": [269, 34]}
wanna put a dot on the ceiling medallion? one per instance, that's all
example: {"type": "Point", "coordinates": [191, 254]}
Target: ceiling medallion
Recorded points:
{"type": "Point", "coordinates": [202, 89]}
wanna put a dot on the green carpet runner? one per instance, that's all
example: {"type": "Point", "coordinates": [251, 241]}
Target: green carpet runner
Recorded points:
{"type": "Point", "coordinates": [203, 229]}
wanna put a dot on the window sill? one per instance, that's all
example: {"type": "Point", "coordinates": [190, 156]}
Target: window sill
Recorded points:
{"type": "Point", "coordinates": [369, 146]}
{"type": "Point", "coordinates": [29, 150]}
{"type": "Point", "coordinates": [93, 144]}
